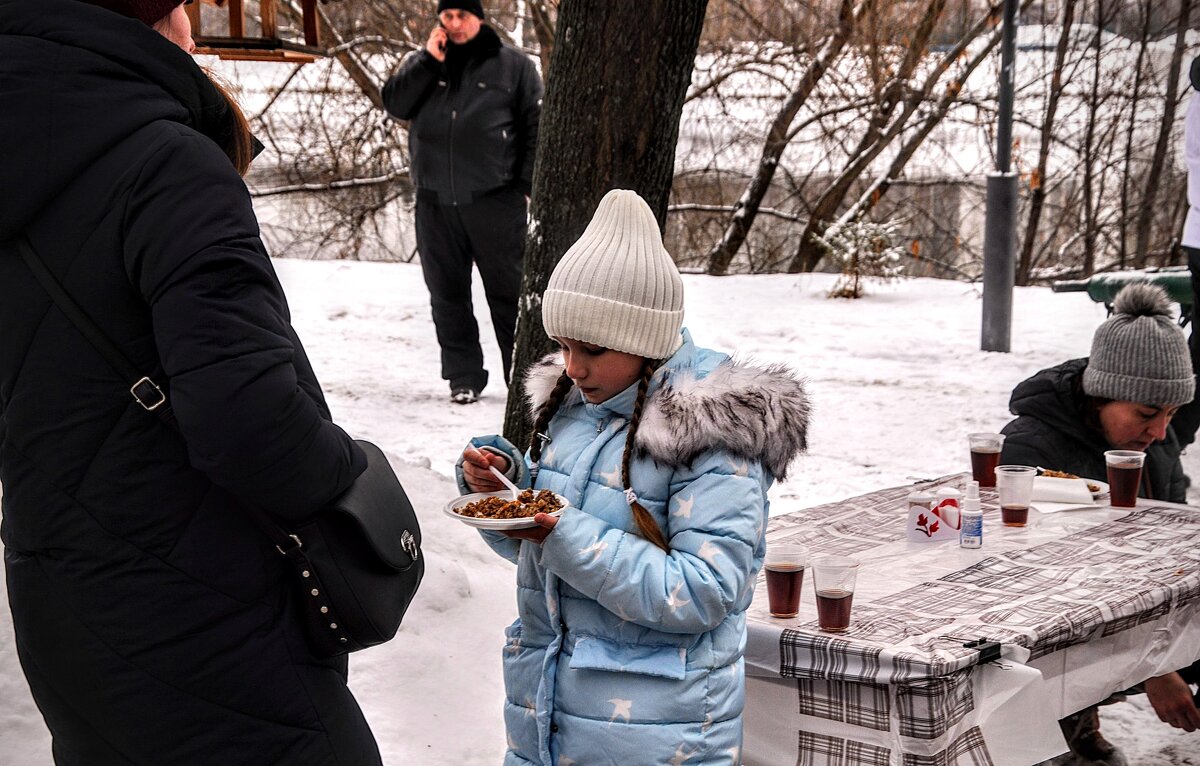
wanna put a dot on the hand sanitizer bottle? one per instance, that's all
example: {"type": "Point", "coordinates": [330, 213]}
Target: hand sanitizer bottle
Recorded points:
{"type": "Point", "coordinates": [971, 533]}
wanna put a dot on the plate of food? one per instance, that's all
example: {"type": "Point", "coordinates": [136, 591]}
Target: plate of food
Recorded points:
{"type": "Point", "coordinates": [498, 511]}
{"type": "Point", "coordinates": [1098, 488]}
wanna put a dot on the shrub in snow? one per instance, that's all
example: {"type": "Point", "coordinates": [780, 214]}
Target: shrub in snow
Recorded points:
{"type": "Point", "coordinates": [864, 250]}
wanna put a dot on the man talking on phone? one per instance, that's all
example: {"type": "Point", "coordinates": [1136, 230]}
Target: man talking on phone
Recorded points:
{"type": "Point", "coordinates": [473, 104]}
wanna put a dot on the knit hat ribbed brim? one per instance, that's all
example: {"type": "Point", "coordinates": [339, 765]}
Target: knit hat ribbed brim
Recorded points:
{"type": "Point", "coordinates": [149, 12]}
{"type": "Point", "coordinates": [1139, 354]}
{"type": "Point", "coordinates": [470, 6]}
{"type": "Point", "coordinates": [617, 287]}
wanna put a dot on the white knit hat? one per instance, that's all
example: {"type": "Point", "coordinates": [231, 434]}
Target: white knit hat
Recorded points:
{"type": "Point", "coordinates": [617, 287]}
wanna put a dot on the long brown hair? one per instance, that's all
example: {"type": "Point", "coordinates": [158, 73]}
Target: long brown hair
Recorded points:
{"type": "Point", "coordinates": [234, 136]}
{"type": "Point", "coordinates": [236, 140]}
{"type": "Point", "coordinates": [646, 525]}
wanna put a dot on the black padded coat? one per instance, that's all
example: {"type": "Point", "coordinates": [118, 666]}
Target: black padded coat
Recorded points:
{"type": "Point", "coordinates": [473, 136]}
{"type": "Point", "coordinates": [1050, 432]}
{"type": "Point", "coordinates": [152, 619]}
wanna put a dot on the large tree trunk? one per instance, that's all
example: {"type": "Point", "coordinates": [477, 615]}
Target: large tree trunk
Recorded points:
{"type": "Point", "coordinates": [1146, 209]}
{"type": "Point", "coordinates": [778, 136]}
{"type": "Point", "coordinates": [1037, 185]}
{"type": "Point", "coordinates": [610, 119]}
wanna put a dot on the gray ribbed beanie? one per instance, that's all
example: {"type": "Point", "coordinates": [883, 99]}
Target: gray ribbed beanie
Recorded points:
{"type": "Point", "coordinates": [616, 286]}
{"type": "Point", "coordinates": [1139, 354]}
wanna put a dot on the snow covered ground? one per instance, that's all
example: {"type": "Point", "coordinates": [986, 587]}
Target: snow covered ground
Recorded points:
{"type": "Point", "coordinates": [897, 379]}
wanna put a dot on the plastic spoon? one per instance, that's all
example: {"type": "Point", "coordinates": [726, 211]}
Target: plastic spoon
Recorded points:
{"type": "Point", "coordinates": [513, 488]}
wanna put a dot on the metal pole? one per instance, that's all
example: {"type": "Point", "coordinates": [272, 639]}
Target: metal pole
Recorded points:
{"type": "Point", "coordinates": [1008, 54]}
{"type": "Point", "coordinates": [999, 233]}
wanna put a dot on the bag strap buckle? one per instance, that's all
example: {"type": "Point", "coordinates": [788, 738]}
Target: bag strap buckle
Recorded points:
{"type": "Point", "coordinates": [146, 390]}
{"type": "Point", "coordinates": [292, 549]}
{"type": "Point", "coordinates": [409, 543]}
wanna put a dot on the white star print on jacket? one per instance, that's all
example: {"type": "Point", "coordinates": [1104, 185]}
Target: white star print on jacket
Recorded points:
{"type": "Point", "coordinates": [623, 654]}
{"type": "Point", "coordinates": [683, 507]}
{"type": "Point", "coordinates": [622, 709]}
{"type": "Point", "coordinates": [674, 601]}
{"type": "Point", "coordinates": [596, 548]}
{"type": "Point", "coordinates": [612, 478]}
{"type": "Point", "coordinates": [709, 552]}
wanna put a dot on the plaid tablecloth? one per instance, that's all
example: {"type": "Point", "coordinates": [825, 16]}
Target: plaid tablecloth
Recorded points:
{"type": "Point", "coordinates": [1105, 592]}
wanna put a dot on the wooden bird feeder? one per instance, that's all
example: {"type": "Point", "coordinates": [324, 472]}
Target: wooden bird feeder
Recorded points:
{"type": "Point", "coordinates": [237, 45]}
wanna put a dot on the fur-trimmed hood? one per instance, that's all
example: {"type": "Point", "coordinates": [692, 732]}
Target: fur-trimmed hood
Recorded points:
{"type": "Point", "coordinates": [754, 412]}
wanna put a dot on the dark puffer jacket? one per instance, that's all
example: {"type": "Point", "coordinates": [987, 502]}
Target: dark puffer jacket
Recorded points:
{"type": "Point", "coordinates": [476, 135]}
{"type": "Point", "coordinates": [151, 617]}
{"type": "Point", "coordinates": [1050, 432]}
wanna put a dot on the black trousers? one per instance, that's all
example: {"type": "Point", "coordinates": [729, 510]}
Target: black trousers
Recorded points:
{"type": "Point", "coordinates": [1187, 420]}
{"type": "Point", "coordinates": [488, 233]}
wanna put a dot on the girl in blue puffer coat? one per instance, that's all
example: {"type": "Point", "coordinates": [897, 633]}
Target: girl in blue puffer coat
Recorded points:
{"type": "Point", "coordinates": [628, 647]}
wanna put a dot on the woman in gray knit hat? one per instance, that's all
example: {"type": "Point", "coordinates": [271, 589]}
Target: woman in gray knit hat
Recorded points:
{"type": "Point", "coordinates": [1122, 397]}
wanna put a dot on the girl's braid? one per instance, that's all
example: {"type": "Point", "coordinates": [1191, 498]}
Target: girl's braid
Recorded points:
{"type": "Point", "coordinates": [645, 522]}
{"type": "Point", "coordinates": [545, 414]}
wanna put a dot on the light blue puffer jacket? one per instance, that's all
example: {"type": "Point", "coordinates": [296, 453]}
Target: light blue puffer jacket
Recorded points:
{"type": "Point", "coordinates": [624, 654]}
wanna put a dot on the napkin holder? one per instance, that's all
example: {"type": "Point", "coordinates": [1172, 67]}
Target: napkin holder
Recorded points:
{"type": "Point", "coordinates": [939, 521]}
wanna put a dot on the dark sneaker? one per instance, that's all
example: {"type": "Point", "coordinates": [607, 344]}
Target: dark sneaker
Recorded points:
{"type": "Point", "coordinates": [1088, 745]}
{"type": "Point", "coordinates": [464, 395]}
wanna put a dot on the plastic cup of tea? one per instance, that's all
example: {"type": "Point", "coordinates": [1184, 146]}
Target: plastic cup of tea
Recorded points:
{"type": "Point", "coordinates": [1124, 476]}
{"type": "Point", "coordinates": [985, 456]}
{"type": "Point", "coordinates": [1014, 484]}
{"type": "Point", "coordinates": [784, 567]}
{"type": "Point", "coordinates": [833, 581]}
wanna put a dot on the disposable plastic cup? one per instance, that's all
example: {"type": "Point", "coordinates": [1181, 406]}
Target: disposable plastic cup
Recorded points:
{"type": "Point", "coordinates": [1124, 476]}
{"type": "Point", "coordinates": [784, 566]}
{"type": "Point", "coordinates": [1014, 483]}
{"type": "Point", "coordinates": [985, 456]}
{"type": "Point", "coordinates": [833, 580]}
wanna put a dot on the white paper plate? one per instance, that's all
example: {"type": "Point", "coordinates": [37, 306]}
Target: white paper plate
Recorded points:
{"type": "Point", "coordinates": [502, 525]}
{"type": "Point", "coordinates": [1045, 485]}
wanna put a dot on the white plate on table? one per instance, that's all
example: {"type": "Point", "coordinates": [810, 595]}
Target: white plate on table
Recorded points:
{"type": "Point", "coordinates": [1057, 489]}
{"type": "Point", "coordinates": [501, 525]}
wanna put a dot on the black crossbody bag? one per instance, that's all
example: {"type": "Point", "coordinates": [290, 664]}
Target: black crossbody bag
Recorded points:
{"type": "Point", "coordinates": [357, 563]}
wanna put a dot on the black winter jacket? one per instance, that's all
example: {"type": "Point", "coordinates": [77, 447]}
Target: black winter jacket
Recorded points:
{"type": "Point", "coordinates": [151, 617]}
{"type": "Point", "coordinates": [1050, 432]}
{"type": "Point", "coordinates": [477, 137]}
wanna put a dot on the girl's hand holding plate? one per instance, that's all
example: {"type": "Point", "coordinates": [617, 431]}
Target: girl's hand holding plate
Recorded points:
{"type": "Point", "coordinates": [545, 525]}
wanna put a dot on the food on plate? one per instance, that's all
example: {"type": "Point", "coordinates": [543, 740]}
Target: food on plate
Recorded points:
{"type": "Point", "coordinates": [1058, 474]}
{"type": "Point", "coordinates": [527, 504]}
{"type": "Point", "coordinates": [1092, 487]}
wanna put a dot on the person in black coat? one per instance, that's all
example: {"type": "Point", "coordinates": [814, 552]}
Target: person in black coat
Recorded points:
{"type": "Point", "coordinates": [1121, 397]}
{"type": "Point", "coordinates": [474, 105]}
{"type": "Point", "coordinates": [152, 619]}
{"type": "Point", "coordinates": [1057, 427]}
